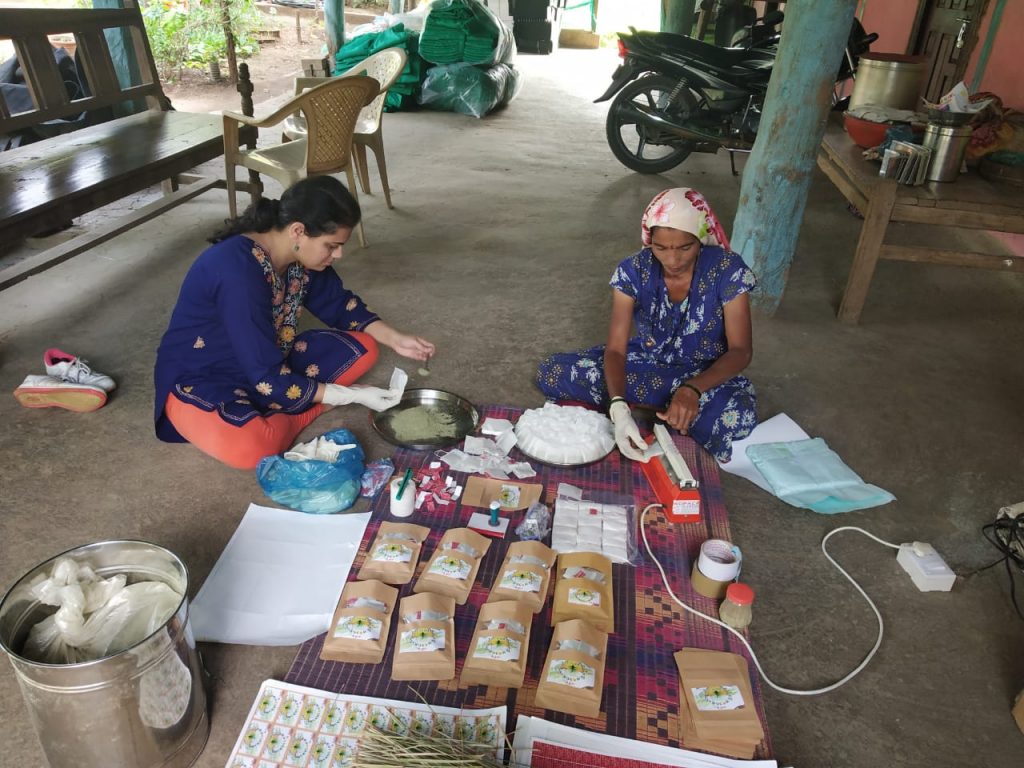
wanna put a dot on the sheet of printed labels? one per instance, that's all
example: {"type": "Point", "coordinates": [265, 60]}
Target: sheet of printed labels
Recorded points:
{"type": "Point", "coordinates": [299, 727]}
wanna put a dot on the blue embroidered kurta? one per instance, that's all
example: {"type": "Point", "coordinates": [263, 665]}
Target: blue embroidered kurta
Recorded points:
{"type": "Point", "coordinates": [674, 342]}
{"type": "Point", "coordinates": [226, 348]}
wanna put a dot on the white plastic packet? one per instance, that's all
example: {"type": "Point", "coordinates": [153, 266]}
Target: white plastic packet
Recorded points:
{"type": "Point", "coordinates": [95, 617]}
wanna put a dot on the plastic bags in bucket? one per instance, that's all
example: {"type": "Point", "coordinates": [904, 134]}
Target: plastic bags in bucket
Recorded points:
{"type": "Point", "coordinates": [95, 617]}
{"type": "Point", "coordinates": [316, 486]}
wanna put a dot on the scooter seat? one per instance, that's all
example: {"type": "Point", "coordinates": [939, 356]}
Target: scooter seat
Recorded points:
{"type": "Point", "coordinates": [719, 58]}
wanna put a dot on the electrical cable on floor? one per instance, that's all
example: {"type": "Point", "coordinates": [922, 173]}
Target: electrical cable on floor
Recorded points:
{"type": "Point", "coordinates": [1006, 534]}
{"type": "Point", "coordinates": [753, 656]}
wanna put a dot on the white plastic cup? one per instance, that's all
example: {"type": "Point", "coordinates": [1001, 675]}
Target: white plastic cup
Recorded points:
{"type": "Point", "coordinates": [402, 507]}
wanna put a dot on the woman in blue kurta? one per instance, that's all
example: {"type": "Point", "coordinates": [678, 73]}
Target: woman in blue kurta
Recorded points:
{"type": "Point", "coordinates": [686, 294]}
{"type": "Point", "coordinates": [233, 376]}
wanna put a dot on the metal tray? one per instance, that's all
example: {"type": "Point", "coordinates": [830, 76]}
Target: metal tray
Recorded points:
{"type": "Point", "coordinates": [457, 416]}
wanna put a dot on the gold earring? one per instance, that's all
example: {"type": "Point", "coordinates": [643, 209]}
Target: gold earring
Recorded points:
{"type": "Point", "coordinates": [295, 247]}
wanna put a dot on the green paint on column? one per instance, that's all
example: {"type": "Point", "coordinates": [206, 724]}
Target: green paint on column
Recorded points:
{"type": "Point", "coordinates": [986, 49]}
{"type": "Point", "coordinates": [773, 194]}
{"type": "Point", "coordinates": [334, 26]}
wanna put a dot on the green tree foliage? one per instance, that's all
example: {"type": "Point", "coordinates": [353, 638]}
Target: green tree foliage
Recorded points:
{"type": "Point", "coordinates": [190, 33]}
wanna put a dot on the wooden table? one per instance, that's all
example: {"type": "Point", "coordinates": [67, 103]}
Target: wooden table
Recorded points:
{"type": "Point", "coordinates": [970, 202]}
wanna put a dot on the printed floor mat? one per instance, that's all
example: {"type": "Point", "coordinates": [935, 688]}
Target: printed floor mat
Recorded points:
{"type": "Point", "coordinates": [641, 684]}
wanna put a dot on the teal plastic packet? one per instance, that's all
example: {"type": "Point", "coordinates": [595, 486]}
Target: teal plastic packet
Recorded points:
{"type": "Point", "coordinates": [809, 474]}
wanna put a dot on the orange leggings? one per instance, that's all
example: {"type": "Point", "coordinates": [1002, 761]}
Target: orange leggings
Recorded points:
{"type": "Point", "coordinates": [243, 446]}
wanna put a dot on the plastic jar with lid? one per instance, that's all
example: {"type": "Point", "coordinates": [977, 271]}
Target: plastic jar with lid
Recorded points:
{"type": "Point", "coordinates": [735, 610]}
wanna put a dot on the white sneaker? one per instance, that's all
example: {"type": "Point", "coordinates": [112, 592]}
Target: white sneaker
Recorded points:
{"type": "Point", "coordinates": [66, 367]}
{"type": "Point", "coordinates": [46, 392]}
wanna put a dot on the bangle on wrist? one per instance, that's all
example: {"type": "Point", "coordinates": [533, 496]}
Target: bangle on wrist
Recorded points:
{"type": "Point", "coordinates": [617, 399]}
{"type": "Point", "coordinates": [689, 386]}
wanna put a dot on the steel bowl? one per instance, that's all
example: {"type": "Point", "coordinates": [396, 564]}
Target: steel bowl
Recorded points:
{"type": "Point", "coordinates": [455, 414]}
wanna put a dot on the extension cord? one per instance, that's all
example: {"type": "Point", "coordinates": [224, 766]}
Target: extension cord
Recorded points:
{"type": "Point", "coordinates": [926, 567]}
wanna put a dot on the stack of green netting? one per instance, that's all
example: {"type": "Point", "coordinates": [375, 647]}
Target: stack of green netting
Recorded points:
{"type": "Point", "coordinates": [461, 30]}
{"type": "Point", "coordinates": [406, 88]}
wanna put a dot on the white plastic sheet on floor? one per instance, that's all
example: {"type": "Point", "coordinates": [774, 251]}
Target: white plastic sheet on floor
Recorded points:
{"type": "Point", "coordinates": [278, 580]}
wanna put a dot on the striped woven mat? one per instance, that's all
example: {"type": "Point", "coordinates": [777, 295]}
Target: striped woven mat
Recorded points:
{"type": "Point", "coordinates": [641, 684]}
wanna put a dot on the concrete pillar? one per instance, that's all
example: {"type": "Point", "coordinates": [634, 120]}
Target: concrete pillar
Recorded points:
{"type": "Point", "coordinates": [678, 16]}
{"type": "Point", "coordinates": [777, 176]}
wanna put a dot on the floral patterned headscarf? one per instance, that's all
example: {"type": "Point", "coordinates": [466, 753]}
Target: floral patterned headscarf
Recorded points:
{"type": "Point", "coordinates": [684, 209]}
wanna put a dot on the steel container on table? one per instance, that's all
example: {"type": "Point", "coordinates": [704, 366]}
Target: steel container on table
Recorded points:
{"type": "Point", "coordinates": [948, 144]}
{"type": "Point", "coordinates": [889, 80]}
{"type": "Point", "coordinates": [143, 707]}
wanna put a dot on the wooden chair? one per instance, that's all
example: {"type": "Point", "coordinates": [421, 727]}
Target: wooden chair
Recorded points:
{"type": "Point", "coordinates": [384, 67]}
{"type": "Point", "coordinates": [330, 110]}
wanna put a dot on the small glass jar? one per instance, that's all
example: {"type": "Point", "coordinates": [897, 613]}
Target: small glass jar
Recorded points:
{"type": "Point", "coordinates": [735, 610]}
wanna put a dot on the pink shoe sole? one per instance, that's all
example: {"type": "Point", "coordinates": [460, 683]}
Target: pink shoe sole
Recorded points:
{"type": "Point", "coordinates": [78, 399]}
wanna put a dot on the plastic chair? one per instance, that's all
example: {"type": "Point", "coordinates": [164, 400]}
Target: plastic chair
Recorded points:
{"type": "Point", "coordinates": [384, 67]}
{"type": "Point", "coordinates": [330, 110]}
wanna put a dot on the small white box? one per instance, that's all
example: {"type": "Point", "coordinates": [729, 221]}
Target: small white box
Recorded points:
{"type": "Point", "coordinates": [926, 567]}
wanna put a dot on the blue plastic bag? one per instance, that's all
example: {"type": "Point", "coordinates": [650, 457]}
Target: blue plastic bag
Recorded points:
{"type": "Point", "coordinates": [316, 487]}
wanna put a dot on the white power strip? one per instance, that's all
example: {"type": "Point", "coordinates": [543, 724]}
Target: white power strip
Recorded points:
{"type": "Point", "coordinates": [926, 567]}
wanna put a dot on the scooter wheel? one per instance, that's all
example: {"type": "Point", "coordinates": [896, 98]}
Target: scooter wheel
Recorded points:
{"type": "Point", "coordinates": [641, 147]}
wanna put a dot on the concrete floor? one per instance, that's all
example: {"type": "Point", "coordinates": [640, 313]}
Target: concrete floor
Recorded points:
{"type": "Point", "coordinates": [500, 249]}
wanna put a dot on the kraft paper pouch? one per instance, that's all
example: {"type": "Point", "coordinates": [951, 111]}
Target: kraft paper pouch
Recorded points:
{"type": "Point", "coordinates": [525, 575]}
{"type": "Point", "coordinates": [572, 680]}
{"type": "Point", "coordinates": [717, 709]}
{"type": "Point", "coordinates": [359, 629]}
{"type": "Point", "coordinates": [501, 641]}
{"type": "Point", "coordinates": [590, 599]}
{"type": "Point", "coordinates": [393, 555]}
{"type": "Point", "coordinates": [425, 650]}
{"type": "Point", "coordinates": [512, 496]}
{"type": "Point", "coordinates": [452, 568]}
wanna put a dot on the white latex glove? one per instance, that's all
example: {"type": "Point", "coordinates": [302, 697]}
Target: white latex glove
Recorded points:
{"type": "Point", "coordinates": [627, 433]}
{"type": "Point", "coordinates": [374, 398]}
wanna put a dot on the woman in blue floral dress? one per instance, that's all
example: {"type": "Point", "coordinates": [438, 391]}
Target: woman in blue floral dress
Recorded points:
{"type": "Point", "coordinates": [686, 294]}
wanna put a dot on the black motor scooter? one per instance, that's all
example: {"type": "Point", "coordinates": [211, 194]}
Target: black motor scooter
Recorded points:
{"type": "Point", "coordinates": [678, 95]}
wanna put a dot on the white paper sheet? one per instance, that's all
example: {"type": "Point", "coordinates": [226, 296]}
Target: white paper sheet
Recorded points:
{"type": "Point", "coordinates": [529, 729]}
{"type": "Point", "coordinates": [777, 429]}
{"type": "Point", "coordinates": [278, 580]}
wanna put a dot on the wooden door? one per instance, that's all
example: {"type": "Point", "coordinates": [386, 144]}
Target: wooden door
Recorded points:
{"type": "Point", "coordinates": [946, 34]}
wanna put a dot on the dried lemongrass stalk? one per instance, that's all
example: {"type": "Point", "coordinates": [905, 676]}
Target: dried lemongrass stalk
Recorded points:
{"type": "Point", "coordinates": [384, 749]}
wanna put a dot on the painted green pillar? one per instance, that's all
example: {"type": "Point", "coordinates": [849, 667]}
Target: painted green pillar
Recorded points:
{"type": "Point", "coordinates": [334, 25]}
{"type": "Point", "coordinates": [678, 16]}
{"type": "Point", "coordinates": [773, 194]}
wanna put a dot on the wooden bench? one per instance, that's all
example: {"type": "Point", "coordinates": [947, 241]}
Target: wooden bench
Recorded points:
{"type": "Point", "coordinates": [970, 202]}
{"type": "Point", "coordinates": [46, 184]}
